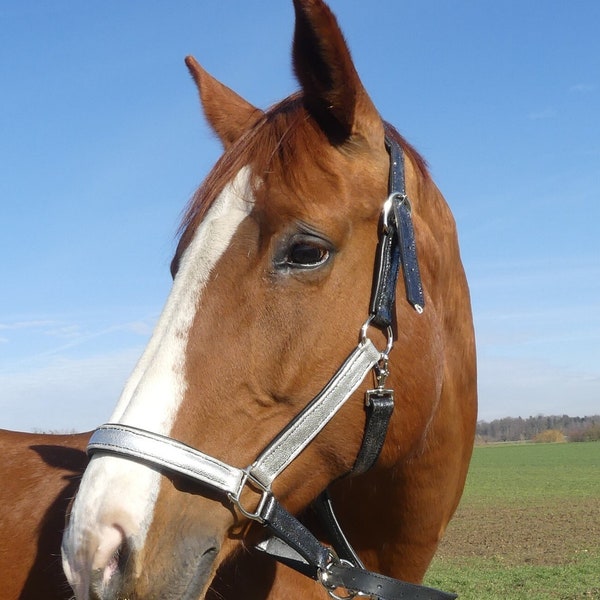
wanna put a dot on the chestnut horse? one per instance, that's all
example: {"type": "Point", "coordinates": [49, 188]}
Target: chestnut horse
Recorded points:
{"type": "Point", "coordinates": [39, 474]}
{"type": "Point", "coordinates": [273, 278]}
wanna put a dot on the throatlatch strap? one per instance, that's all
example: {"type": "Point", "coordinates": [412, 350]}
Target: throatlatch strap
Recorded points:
{"type": "Point", "coordinates": [324, 509]}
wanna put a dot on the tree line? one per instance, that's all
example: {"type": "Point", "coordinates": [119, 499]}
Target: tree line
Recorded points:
{"type": "Point", "coordinates": [518, 429]}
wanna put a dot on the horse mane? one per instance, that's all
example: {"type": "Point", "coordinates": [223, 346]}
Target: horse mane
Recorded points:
{"type": "Point", "coordinates": [276, 143]}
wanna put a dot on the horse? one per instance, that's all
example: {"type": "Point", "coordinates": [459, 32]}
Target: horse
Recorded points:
{"type": "Point", "coordinates": [317, 251]}
{"type": "Point", "coordinates": [39, 474]}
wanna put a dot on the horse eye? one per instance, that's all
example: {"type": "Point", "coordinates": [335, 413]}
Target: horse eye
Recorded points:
{"type": "Point", "coordinates": [304, 252]}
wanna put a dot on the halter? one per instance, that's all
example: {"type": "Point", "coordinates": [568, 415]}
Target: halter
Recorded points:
{"type": "Point", "coordinates": [337, 568]}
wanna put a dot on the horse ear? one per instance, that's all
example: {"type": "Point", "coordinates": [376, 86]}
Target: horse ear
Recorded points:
{"type": "Point", "coordinates": [228, 114]}
{"type": "Point", "coordinates": [333, 92]}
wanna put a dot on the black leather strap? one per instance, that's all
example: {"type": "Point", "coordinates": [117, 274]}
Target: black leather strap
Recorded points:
{"type": "Point", "coordinates": [281, 552]}
{"type": "Point", "coordinates": [379, 406]}
{"type": "Point", "coordinates": [397, 247]}
{"type": "Point", "coordinates": [382, 587]}
{"type": "Point", "coordinates": [324, 509]}
{"type": "Point", "coordinates": [307, 555]}
{"type": "Point", "coordinates": [396, 180]}
{"type": "Point", "coordinates": [386, 278]}
{"type": "Point", "coordinates": [408, 252]}
{"type": "Point", "coordinates": [291, 531]}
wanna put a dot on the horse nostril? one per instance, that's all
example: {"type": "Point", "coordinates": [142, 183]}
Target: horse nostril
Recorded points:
{"type": "Point", "coordinates": [211, 551]}
{"type": "Point", "coordinates": [110, 561]}
{"type": "Point", "coordinates": [110, 539]}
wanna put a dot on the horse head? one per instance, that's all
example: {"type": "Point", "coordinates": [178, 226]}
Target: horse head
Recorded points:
{"type": "Point", "coordinates": [273, 277]}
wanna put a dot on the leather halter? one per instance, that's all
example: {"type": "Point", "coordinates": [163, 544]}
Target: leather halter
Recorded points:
{"type": "Point", "coordinates": [337, 568]}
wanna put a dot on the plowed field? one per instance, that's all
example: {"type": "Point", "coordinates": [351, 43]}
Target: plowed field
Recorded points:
{"type": "Point", "coordinates": [528, 526]}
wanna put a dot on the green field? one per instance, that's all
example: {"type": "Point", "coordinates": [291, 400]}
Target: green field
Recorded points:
{"type": "Point", "coordinates": [528, 526]}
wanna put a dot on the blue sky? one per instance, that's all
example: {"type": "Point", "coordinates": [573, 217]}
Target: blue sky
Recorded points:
{"type": "Point", "coordinates": [102, 144]}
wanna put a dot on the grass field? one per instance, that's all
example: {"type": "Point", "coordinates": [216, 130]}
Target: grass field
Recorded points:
{"type": "Point", "coordinates": [528, 526]}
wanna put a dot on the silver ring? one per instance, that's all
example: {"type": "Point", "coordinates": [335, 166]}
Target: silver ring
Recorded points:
{"type": "Point", "coordinates": [388, 331]}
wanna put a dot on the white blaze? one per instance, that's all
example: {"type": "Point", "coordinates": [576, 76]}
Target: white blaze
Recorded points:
{"type": "Point", "coordinates": [116, 491]}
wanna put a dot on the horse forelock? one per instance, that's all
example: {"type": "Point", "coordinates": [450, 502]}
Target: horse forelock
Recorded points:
{"type": "Point", "coordinates": [259, 147]}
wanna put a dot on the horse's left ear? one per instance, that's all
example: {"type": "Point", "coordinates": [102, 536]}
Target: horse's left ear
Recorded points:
{"type": "Point", "coordinates": [229, 115]}
{"type": "Point", "coordinates": [333, 92]}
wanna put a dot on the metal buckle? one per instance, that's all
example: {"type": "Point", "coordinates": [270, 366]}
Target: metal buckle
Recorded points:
{"type": "Point", "coordinates": [324, 575]}
{"type": "Point", "coordinates": [388, 208]}
{"type": "Point", "coordinates": [265, 495]}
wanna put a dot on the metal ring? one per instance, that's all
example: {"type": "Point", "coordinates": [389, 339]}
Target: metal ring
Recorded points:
{"type": "Point", "coordinates": [388, 331]}
{"type": "Point", "coordinates": [253, 516]}
{"type": "Point", "coordinates": [265, 494]}
{"type": "Point", "coordinates": [324, 573]}
{"type": "Point", "coordinates": [350, 595]}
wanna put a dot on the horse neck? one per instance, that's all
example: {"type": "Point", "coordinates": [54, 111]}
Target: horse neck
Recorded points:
{"type": "Point", "coordinates": [396, 514]}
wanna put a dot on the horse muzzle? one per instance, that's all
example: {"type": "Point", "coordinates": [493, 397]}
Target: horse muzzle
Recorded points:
{"type": "Point", "coordinates": [125, 540]}
{"type": "Point", "coordinates": [179, 570]}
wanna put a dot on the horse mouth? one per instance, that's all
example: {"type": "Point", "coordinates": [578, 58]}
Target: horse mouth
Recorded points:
{"type": "Point", "coordinates": [188, 579]}
{"type": "Point", "coordinates": [202, 574]}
